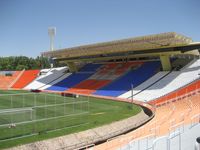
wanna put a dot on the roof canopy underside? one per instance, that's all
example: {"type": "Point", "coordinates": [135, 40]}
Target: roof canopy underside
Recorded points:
{"type": "Point", "coordinates": [143, 44]}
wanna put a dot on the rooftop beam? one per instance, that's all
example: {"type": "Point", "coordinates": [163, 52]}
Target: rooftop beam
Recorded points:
{"type": "Point", "coordinates": [144, 43]}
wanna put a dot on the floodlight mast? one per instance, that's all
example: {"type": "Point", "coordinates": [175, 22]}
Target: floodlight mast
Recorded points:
{"type": "Point", "coordinates": [52, 33]}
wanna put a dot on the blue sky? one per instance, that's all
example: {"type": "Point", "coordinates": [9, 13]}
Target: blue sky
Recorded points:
{"type": "Point", "coordinates": [24, 23]}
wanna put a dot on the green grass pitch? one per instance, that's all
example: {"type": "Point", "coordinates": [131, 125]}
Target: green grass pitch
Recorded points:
{"type": "Point", "coordinates": [27, 117]}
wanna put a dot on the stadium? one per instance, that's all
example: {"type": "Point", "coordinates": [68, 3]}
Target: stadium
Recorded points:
{"type": "Point", "coordinates": [139, 93]}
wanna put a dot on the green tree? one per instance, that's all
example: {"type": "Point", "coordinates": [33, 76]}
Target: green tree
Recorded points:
{"type": "Point", "coordinates": [23, 62]}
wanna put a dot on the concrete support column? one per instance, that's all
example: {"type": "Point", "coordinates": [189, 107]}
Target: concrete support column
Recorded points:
{"type": "Point", "coordinates": [72, 67]}
{"type": "Point", "coordinates": [165, 61]}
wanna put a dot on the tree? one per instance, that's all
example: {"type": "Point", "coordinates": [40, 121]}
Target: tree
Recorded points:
{"type": "Point", "coordinates": [23, 62]}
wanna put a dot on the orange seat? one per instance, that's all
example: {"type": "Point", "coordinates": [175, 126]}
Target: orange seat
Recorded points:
{"type": "Point", "coordinates": [5, 81]}
{"type": "Point", "coordinates": [27, 77]}
{"type": "Point", "coordinates": [88, 86]}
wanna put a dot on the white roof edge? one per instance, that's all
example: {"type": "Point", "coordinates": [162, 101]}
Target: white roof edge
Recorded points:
{"type": "Point", "coordinates": [194, 43]}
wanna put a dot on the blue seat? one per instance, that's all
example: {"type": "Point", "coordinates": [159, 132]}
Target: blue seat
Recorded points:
{"type": "Point", "coordinates": [75, 78]}
{"type": "Point", "coordinates": [132, 78]}
{"type": "Point", "coordinates": [90, 68]}
{"type": "Point", "coordinates": [70, 81]}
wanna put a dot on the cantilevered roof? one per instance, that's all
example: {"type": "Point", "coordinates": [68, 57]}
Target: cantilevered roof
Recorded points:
{"type": "Point", "coordinates": [136, 44]}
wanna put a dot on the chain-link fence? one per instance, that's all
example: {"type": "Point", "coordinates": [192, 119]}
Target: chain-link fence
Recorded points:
{"type": "Point", "coordinates": [36, 113]}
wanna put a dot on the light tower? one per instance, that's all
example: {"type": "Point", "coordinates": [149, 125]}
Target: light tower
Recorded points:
{"type": "Point", "coordinates": [52, 33]}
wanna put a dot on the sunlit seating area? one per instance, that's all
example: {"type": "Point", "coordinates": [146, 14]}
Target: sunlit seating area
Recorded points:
{"type": "Point", "coordinates": [158, 86]}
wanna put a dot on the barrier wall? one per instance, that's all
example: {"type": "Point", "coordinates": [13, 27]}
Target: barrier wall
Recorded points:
{"type": "Point", "coordinates": [187, 89]}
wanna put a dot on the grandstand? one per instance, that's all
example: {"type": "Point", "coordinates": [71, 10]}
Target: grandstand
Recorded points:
{"type": "Point", "coordinates": [7, 78]}
{"type": "Point", "coordinates": [48, 77]}
{"type": "Point", "coordinates": [160, 73]}
{"type": "Point", "coordinates": [165, 82]}
{"type": "Point", "coordinates": [175, 119]}
{"type": "Point", "coordinates": [133, 78]}
{"type": "Point", "coordinates": [25, 78]}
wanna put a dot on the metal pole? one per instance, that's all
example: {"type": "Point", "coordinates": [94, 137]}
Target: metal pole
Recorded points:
{"type": "Point", "coordinates": [55, 112]}
{"type": "Point", "coordinates": [51, 43]}
{"type": "Point", "coordinates": [64, 104]}
{"type": "Point", "coordinates": [179, 140]}
{"type": "Point", "coordinates": [131, 93]}
{"type": "Point", "coordinates": [73, 104]}
{"type": "Point", "coordinates": [35, 114]}
{"type": "Point", "coordinates": [24, 112]}
{"type": "Point", "coordinates": [138, 144]}
{"type": "Point", "coordinates": [11, 121]}
{"type": "Point", "coordinates": [35, 103]}
{"type": "Point", "coordinates": [23, 101]}
{"type": "Point", "coordinates": [51, 32]}
{"type": "Point", "coordinates": [147, 143]}
{"type": "Point", "coordinates": [168, 144]}
{"type": "Point", "coordinates": [45, 109]}
{"type": "Point", "coordinates": [197, 91]}
{"type": "Point", "coordinates": [88, 109]}
{"type": "Point", "coordinates": [11, 108]}
{"type": "Point", "coordinates": [31, 115]}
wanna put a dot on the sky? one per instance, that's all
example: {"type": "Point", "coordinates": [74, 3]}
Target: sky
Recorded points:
{"type": "Point", "coordinates": [24, 23]}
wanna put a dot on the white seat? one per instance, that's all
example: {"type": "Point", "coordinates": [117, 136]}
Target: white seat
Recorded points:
{"type": "Point", "coordinates": [47, 76]}
{"type": "Point", "coordinates": [144, 85]}
{"type": "Point", "coordinates": [171, 82]}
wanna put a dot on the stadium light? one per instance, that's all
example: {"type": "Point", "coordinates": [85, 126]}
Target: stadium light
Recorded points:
{"type": "Point", "coordinates": [52, 33]}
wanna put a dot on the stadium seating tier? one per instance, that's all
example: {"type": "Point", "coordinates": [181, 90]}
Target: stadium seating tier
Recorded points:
{"type": "Point", "coordinates": [26, 77]}
{"type": "Point", "coordinates": [6, 81]}
{"type": "Point", "coordinates": [132, 78]}
{"type": "Point", "coordinates": [173, 81]}
{"type": "Point", "coordinates": [69, 82]}
{"type": "Point", "coordinates": [88, 86]}
{"type": "Point", "coordinates": [48, 77]}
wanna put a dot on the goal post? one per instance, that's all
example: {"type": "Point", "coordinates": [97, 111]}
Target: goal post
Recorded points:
{"type": "Point", "coordinates": [27, 114]}
{"type": "Point", "coordinates": [16, 115]}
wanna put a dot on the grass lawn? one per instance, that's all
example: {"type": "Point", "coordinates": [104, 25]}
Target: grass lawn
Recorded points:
{"type": "Point", "coordinates": [44, 116]}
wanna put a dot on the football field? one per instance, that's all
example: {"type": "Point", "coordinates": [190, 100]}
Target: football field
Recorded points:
{"type": "Point", "coordinates": [25, 115]}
